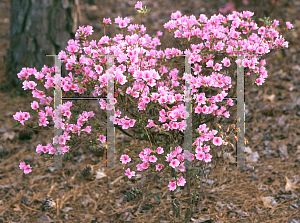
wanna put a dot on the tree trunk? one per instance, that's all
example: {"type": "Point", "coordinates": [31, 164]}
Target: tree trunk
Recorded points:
{"type": "Point", "coordinates": [38, 28]}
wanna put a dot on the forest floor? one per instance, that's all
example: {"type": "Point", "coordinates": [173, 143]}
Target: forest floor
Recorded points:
{"type": "Point", "coordinates": [266, 190]}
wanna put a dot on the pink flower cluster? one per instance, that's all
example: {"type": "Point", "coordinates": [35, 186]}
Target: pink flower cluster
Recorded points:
{"type": "Point", "coordinates": [26, 168]}
{"type": "Point", "coordinates": [21, 117]}
{"type": "Point", "coordinates": [122, 22]}
{"type": "Point", "coordinates": [176, 157]}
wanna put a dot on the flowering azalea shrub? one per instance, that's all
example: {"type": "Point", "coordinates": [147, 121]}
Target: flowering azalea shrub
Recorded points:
{"type": "Point", "coordinates": [145, 84]}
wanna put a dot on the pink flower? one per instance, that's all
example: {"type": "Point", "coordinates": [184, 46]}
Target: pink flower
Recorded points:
{"type": "Point", "coordinates": [218, 67]}
{"type": "Point", "coordinates": [145, 166]}
{"type": "Point", "coordinates": [174, 163]}
{"type": "Point", "coordinates": [260, 50]}
{"type": "Point", "coordinates": [200, 156]}
{"type": "Point", "coordinates": [87, 129]}
{"type": "Point", "coordinates": [27, 169]}
{"type": "Point", "coordinates": [131, 122]}
{"type": "Point", "coordinates": [159, 150]}
{"type": "Point", "coordinates": [139, 167]}
{"type": "Point", "coordinates": [31, 84]}
{"type": "Point", "coordinates": [22, 165]}
{"type": "Point", "coordinates": [34, 105]}
{"type": "Point", "coordinates": [181, 167]}
{"type": "Point", "coordinates": [198, 149]}
{"type": "Point", "coordinates": [65, 149]}
{"type": "Point", "coordinates": [181, 182]}
{"type": "Point", "coordinates": [176, 15]}
{"type": "Point", "coordinates": [148, 151]}
{"type": "Point", "coordinates": [152, 159]}
{"type": "Point", "coordinates": [98, 69]}
{"type": "Point", "coordinates": [229, 102]}
{"type": "Point", "coordinates": [189, 156]}
{"type": "Point", "coordinates": [172, 185]}
{"type": "Point", "coordinates": [39, 148]}
{"type": "Point", "coordinates": [217, 141]}
{"type": "Point", "coordinates": [129, 174]}
{"type": "Point", "coordinates": [259, 81]}
{"type": "Point", "coordinates": [44, 149]}
{"type": "Point", "coordinates": [226, 114]}
{"type": "Point", "coordinates": [106, 21]}
{"type": "Point", "coordinates": [51, 150]}
{"type": "Point", "coordinates": [206, 148]}
{"type": "Point", "coordinates": [289, 25]}
{"type": "Point", "coordinates": [210, 63]}
{"type": "Point", "coordinates": [180, 157]}
{"type": "Point", "coordinates": [261, 30]}
{"type": "Point", "coordinates": [178, 149]}
{"type": "Point", "coordinates": [207, 158]}
{"type": "Point", "coordinates": [139, 5]}
{"type": "Point", "coordinates": [159, 167]}
{"type": "Point", "coordinates": [125, 159]}
{"type": "Point", "coordinates": [102, 138]}
{"type": "Point", "coordinates": [226, 62]}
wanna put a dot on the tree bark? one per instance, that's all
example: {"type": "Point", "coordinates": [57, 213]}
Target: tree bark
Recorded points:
{"type": "Point", "coordinates": [38, 28]}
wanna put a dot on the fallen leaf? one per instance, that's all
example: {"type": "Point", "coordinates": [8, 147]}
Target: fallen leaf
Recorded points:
{"type": "Point", "coordinates": [66, 209]}
{"type": "Point", "coordinates": [291, 185]}
{"type": "Point", "coordinates": [8, 135]}
{"type": "Point", "coordinates": [17, 208]}
{"type": "Point", "coordinates": [100, 174]}
{"type": "Point", "coordinates": [266, 201]}
{"type": "Point", "coordinates": [248, 149]}
{"type": "Point", "coordinates": [271, 97]}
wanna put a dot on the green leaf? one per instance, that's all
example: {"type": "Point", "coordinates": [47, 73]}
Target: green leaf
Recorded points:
{"type": "Point", "coordinates": [118, 28]}
{"type": "Point", "coordinates": [151, 106]}
{"type": "Point", "coordinates": [149, 11]}
{"type": "Point", "coordinates": [34, 127]}
{"type": "Point", "coordinates": [15, 126]}
{"type": "Point", "coordinates": [80, 86]}
{"type": "Point", "coordinates": [260, 19]}
{"type": "Point", "coordinates": [156, 197]}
